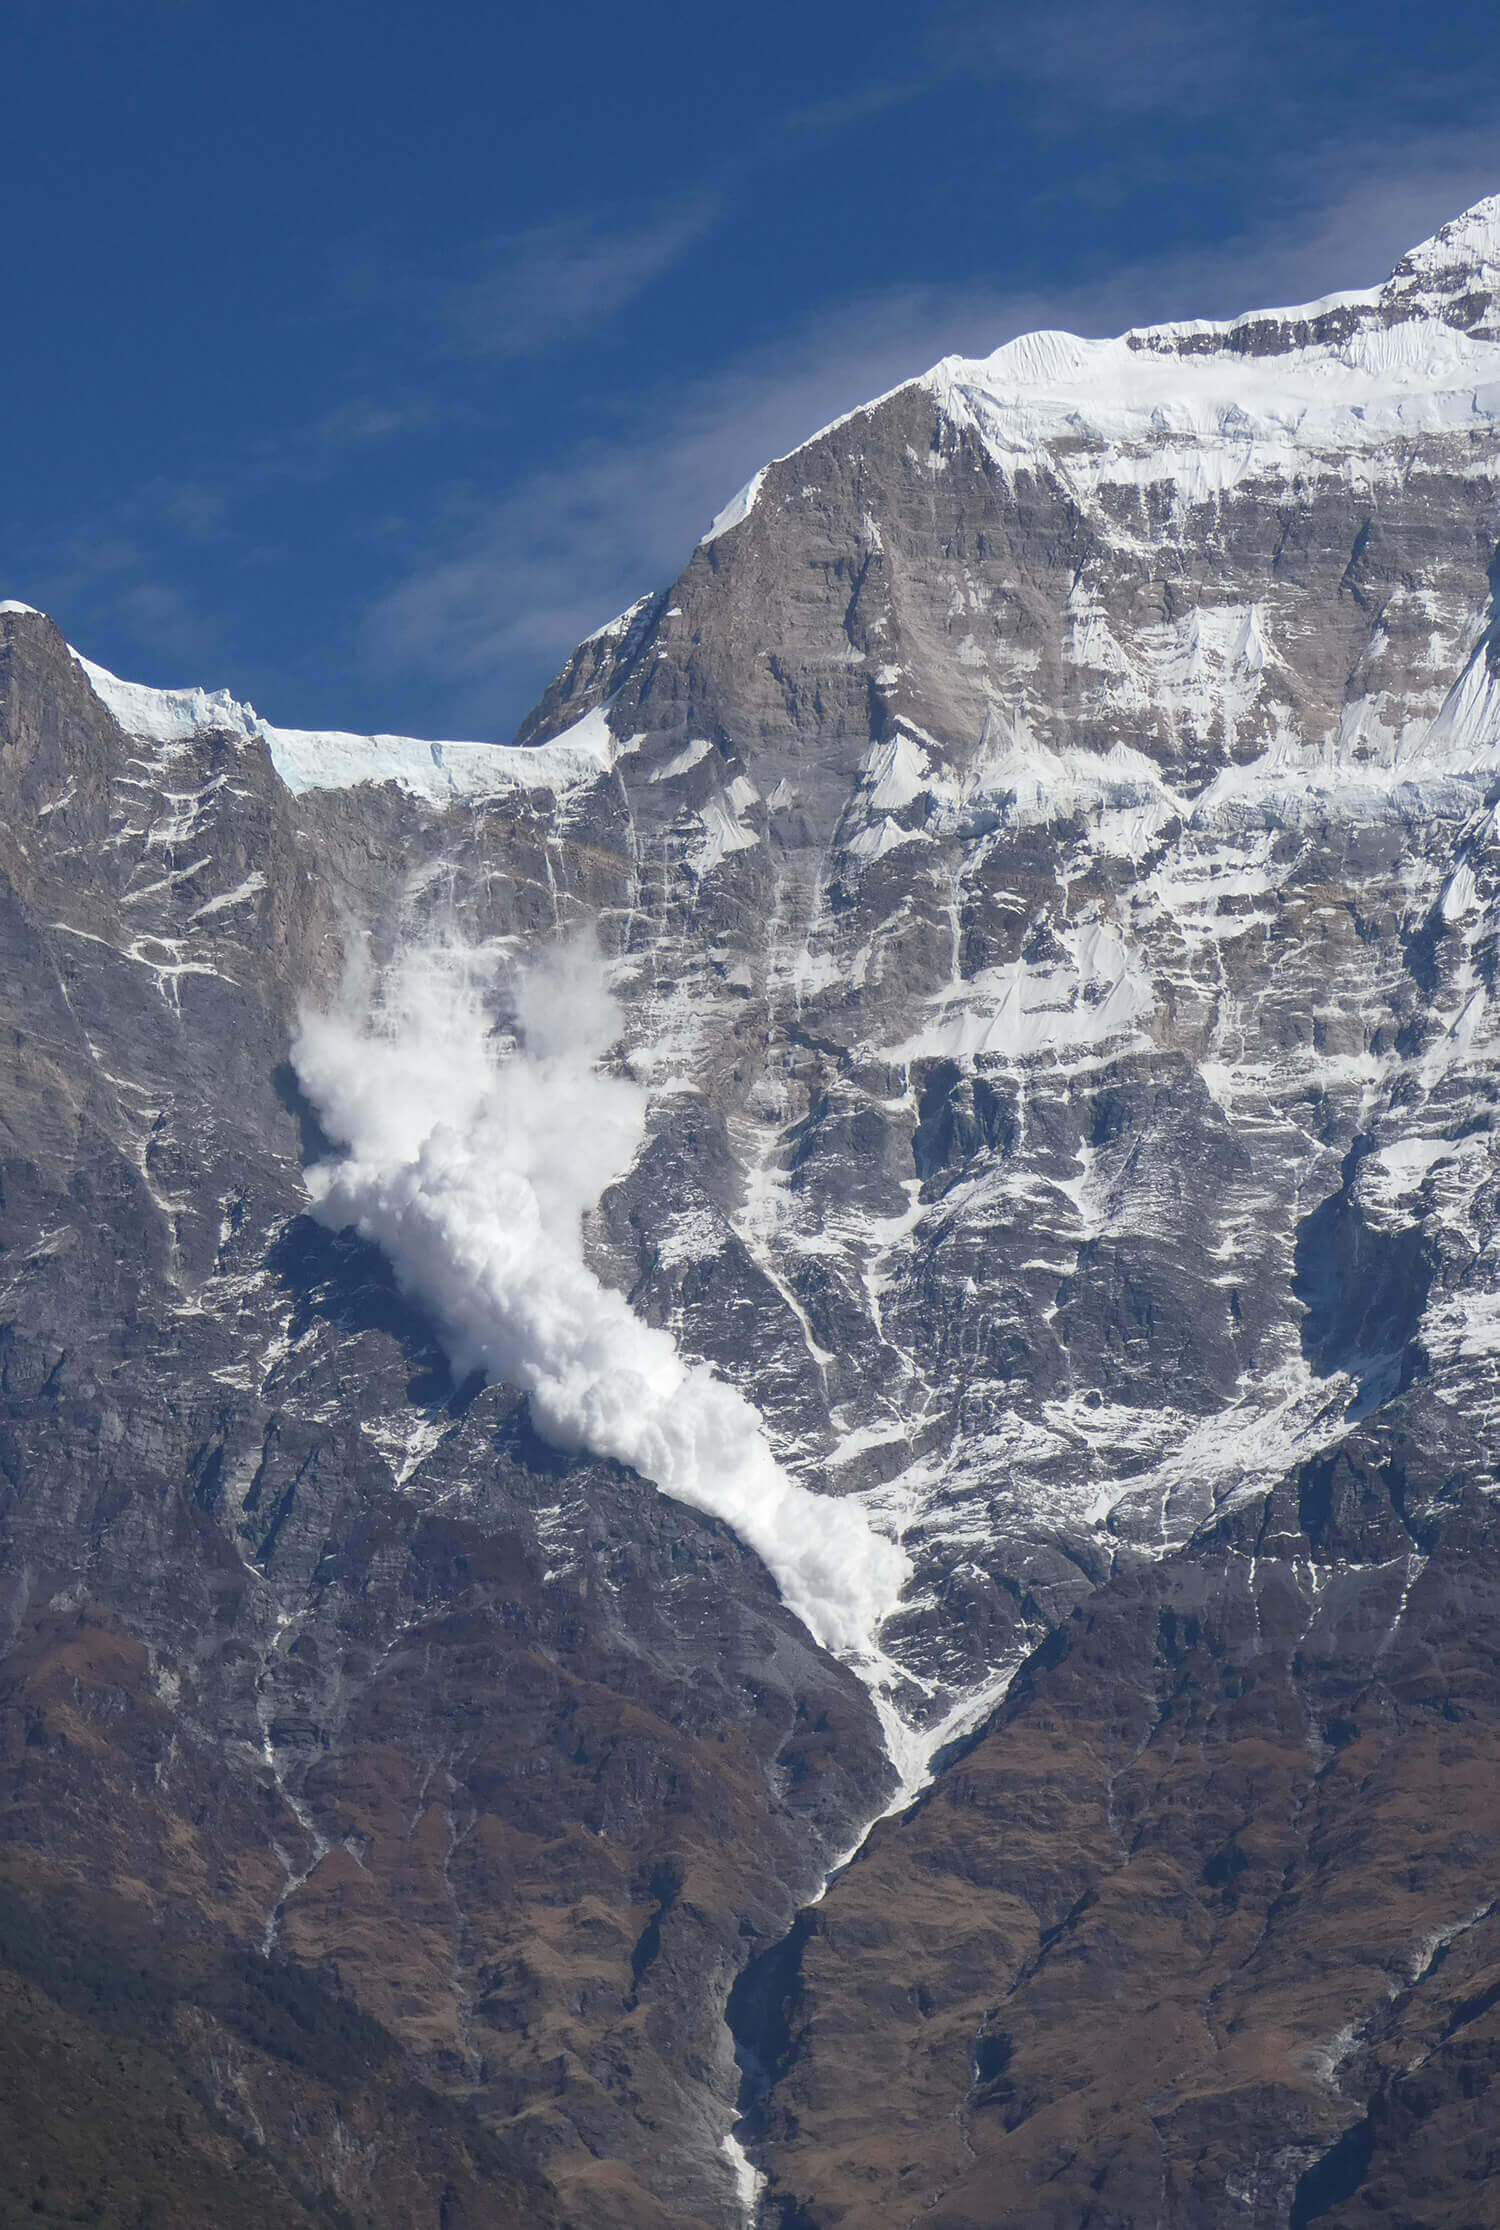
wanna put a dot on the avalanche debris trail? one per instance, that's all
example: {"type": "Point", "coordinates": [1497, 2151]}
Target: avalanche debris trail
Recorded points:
{"type": "Point", "coordinates": [472, 1155]}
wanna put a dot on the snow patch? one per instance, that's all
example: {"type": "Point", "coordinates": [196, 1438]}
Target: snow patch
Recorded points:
{"type": "Point", "coordinates": [441, 772]}
{"type": "Point", "coordinates": [1097, 991]}
{"type": "Point", "coordinates": [738, 507]}
{"type": "Point", "coordinates": [309, 759]}
{"type": "Point", "coordinates": [724, 829]}
{"type": "Point", "coordinates": [691, 755]}
{"type": "Point", "coordinates": [621, 623]}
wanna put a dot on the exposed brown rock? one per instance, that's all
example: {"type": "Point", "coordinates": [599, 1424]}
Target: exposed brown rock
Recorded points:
{"type": "Point", "coordinates": [1218, 1881]}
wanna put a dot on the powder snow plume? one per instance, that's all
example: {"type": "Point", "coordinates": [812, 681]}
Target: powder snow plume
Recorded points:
{"type": "Point", "coordinates": [472, 1156]}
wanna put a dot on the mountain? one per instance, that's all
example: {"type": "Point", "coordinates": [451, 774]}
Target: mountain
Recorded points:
{"type": "Point", "coordinates": [776, 1414]}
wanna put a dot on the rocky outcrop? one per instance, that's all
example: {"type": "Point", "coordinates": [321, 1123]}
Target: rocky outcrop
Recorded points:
{"type": "Point", "coordinates": [1208, 1906]}
{"type": "Point", "coordinates": [148, 2078]}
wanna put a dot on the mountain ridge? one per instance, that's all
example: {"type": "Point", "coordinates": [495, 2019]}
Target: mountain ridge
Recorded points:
{"type": "Point", "coordinates": [1048, 891]}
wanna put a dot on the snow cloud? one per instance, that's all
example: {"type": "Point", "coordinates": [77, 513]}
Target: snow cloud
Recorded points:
{"type": "Point", "coordinates": [474, 1149]}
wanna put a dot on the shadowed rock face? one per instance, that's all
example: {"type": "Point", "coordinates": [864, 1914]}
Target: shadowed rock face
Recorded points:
{"type": "Point", "coordinates": [1045, 850]}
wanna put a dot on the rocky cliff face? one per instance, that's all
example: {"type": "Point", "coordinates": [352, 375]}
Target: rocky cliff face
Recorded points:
{"type": "Point", "coordinates": [1044, 851]}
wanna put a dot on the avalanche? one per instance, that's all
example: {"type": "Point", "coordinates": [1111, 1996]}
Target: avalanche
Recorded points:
{"type": "Point", "coordinates": [471, 1160]}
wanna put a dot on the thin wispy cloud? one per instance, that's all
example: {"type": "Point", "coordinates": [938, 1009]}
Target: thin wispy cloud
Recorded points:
{"type": "Point", "coordinates": [1097, 55]}
{"type": "Point", "coordinates": [1097, 59]}
{"type": "Point", "coordinates": [557, 283]}
{"type": "Point", "coordinates": [359, 424]}
{"type": "Point", "coordinates": [114, 574]}
{"type": "Point", "coordinates": [1083, 59]}
{"type": "Point", "coordinates": [548, 287]}
{"type": "Point", "coordinates": [861, 103]}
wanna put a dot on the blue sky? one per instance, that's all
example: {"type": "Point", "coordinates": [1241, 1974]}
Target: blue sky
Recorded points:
{"type": "Point", "coordinates": [361, 358]}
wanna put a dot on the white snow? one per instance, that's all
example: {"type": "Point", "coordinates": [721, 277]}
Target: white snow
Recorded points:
{"type": "Point", "coordinates": [1461, 895]}
{"type": "Point", "coordinates": [329, 759]}
{"type": "Point", "coordinates": [620, 624]}
{"type": "Point", "coordinates": [253, 883]}
{"type": "Point", "coordinates": [1098, 991]}
{"type": "Point", "coordinates": [1469, 244]}
{"type": "Point", "coordinates": [439, 772]}
{"type": "Point", "coordinates": [168, 716]}
{"type": "Point", "coordinates": [1133, 416]}
{"type": "Point", "coordinates": [1122, 789]}
{"type": "Point", "coordinates": [897, 773]}
{"type": "Point", "coordinates": [747, 2178]}
{"type": "Point", "coordinates": [691, 755]}
{"type": "Point", "coordinates": [724, 829]}
{"type": "Point", "coordinates": [738, 507]}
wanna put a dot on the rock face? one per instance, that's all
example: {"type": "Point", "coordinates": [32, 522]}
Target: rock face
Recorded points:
{"type": "Point", "coordinates": [310, 1652]}
{"type": "Point", "coordinates": [1203, 1929]}
{"type": "Point", "coordinates": [1045, 849]}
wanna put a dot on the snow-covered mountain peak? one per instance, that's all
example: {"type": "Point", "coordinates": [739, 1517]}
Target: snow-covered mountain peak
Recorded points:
{"type": "Point", "coordinates": [1460, 253]}
{"type": "Point", "coordinates": [1350, 372]}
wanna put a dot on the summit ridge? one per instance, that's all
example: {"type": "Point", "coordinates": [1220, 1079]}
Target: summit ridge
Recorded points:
{"type": "Point", "coordinates": [1351, 368]}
